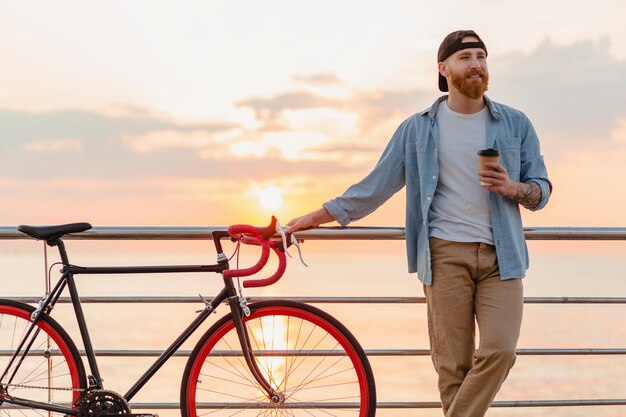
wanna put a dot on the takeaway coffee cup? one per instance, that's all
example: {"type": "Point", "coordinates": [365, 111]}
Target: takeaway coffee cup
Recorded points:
{"type": "Point", "coordinates": [487, 155]}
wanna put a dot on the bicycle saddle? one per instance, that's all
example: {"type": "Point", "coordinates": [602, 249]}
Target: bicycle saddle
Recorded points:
{"type": "Point", "coordinates": [53, 232]}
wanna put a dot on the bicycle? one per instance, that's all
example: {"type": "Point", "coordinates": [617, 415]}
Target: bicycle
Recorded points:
{"type": "Point", "coordinates": [274, 357]}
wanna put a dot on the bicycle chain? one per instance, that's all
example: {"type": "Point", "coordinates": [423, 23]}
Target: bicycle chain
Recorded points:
{"type": "Point", "coordinates": [37, 387]}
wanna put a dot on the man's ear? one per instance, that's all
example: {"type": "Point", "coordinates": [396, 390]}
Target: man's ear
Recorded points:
{"type": "Point", "coordinates": [443, 70]}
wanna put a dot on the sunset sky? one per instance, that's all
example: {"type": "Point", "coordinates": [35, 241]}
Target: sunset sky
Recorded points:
{"type": "Point", "coordinates": [180, 113]}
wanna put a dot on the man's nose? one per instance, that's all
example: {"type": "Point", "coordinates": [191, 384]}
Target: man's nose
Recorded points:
{"type": "Point", "coordinates": [474, 63]}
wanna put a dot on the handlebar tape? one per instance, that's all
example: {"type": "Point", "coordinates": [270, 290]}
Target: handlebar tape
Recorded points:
{"type": "Point", "coordinates": [251, 235]}
{"type": "Point", "coordinates": [282, 265]}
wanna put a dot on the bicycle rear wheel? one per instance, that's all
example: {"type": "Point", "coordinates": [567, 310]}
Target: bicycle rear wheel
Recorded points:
{"type": "Point", "coordinates": [304, 353]}
{"type": "Point", "coordinates": [51, 372]}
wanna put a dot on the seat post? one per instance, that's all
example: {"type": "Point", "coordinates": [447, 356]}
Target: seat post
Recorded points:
{"type": "Point", "coordinates": [62, 252]}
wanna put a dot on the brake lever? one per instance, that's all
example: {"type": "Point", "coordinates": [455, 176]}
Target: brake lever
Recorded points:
{"type": "Point", "coordinates": [280, 230]}
{"type": "Point", "coordinates": [293, 241]}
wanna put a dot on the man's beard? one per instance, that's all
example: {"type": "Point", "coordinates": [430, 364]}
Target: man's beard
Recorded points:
{"type": "Point", "coordinates": [468, 87]}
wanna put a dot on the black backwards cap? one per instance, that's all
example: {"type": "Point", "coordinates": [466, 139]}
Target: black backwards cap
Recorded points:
{"type": "Point", "coordinates": [454, 43]}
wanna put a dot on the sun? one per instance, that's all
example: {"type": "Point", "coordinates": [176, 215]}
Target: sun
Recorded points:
{"type": "Point", "coordinates": [270, 197]}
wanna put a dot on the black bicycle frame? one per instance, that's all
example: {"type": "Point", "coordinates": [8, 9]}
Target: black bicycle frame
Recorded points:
{"type": "Point", "coordinates": [229, 292]}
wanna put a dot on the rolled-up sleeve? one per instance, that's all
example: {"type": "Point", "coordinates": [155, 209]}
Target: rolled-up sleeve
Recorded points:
{"type": "Point", "coordinates": [533, 167]}
{"type": "Point", "coordinates": [546, 190]}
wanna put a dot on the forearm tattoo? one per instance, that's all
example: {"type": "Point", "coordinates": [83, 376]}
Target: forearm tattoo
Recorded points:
{"type": "Point", "coordinates": [528, 194]}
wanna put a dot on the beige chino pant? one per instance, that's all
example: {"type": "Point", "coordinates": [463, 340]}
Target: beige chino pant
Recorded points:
{"type": "Point", "coordinates": [467, 289]}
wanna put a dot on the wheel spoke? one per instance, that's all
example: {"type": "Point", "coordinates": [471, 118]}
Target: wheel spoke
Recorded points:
{"type": "Point", "coordinates": [302, 353]}
{"type": "Point", "coordinates": [34, 375]}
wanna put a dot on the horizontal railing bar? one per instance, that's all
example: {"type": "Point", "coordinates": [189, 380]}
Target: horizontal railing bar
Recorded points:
{"type": "Point", "coordinates": [320, 233]}
{"type": "Point", "coordinates": [379, 405]}
{"type": "Point", "coordinates": [137, 353]}
{"type": "Point", "coordinates": [574, 300]}
{"type": "Point", "coordinates": [196, 299]}
{"type": "Point", "coordinates": [511, 404]}
{"type": "Point", "coordinates": [572, 351]}
{"type": "Point", "coordinates": [404, 405]}
{"type": "Point", "coordinates": [312, 300]}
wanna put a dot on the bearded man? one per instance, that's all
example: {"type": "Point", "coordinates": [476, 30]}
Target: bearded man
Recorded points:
{"type": "Point", "coordinates": [464, 234]}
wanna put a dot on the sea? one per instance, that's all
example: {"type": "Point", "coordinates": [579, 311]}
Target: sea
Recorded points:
{"type": "Point", "coordinates": [352, 269]}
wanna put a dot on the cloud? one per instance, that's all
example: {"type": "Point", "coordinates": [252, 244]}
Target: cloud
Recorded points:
{"type": "Point", "coordinates": [575, 91]}
{"type": "Point", "coordinates": [266, 109]}
{"type": "Point", "coordinates": [137, 146]}
{"type": "Point", "coordinates": [377, 106]}
{"type": "Point", "coordinates": [370, 107]}
{"type": "Point", "coordinates": [320, 78]}
{"type": "Point", "coordinates": [54, 146]}
{"type": "Point", "coordinates": [20, 127]}
{"type": "Point", "coordinates": [289, 145]}
{"type": "Point", "coordinates": [333, 131]}
{"type": "Point", "coordinates": [168, 139]}
{"type": "Point", "coordinates": [90, 144]}
{"type": "Point", "coordinates": [122, 164]}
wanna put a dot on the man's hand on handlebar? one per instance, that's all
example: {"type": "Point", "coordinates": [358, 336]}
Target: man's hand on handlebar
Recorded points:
{"type": "Point", "coordinates": [312, 219]}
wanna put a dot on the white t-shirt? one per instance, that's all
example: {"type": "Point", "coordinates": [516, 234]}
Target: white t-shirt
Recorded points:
{"type": "Point", "coordinates": [460, 208]}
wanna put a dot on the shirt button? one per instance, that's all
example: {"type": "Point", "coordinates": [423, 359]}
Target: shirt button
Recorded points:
{"type": "Point", "coordinates": [434, 177]}
{"type": "Point", "coordinates": [428, 198]}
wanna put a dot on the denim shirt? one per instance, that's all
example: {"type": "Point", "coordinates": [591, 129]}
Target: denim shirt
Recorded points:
{"type": "Point", "coordinates": [410, 159]}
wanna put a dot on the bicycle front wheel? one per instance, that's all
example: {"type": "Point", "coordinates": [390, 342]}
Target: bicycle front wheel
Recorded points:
{"type": "Point", "coordinates": [304, 353]}
{"type": "Point", "coordinates": [50, 371]}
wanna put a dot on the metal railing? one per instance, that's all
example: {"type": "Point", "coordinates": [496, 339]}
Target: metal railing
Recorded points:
{"type": "Point", "coordinates": [353, 233]}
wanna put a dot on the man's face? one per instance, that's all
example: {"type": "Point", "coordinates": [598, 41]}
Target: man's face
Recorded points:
{"type": "Point", "coordinates": [467, 70]}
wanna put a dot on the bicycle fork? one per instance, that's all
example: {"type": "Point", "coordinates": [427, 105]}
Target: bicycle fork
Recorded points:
{"type": "Point", "coordinates": [274, 396]}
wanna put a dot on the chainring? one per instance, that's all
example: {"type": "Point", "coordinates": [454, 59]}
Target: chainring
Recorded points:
{"type": "Point", "coordinates": [98, 402]}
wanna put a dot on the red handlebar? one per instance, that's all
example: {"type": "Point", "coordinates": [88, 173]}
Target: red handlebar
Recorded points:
{"type": "Point", "coordinates": [251, 235]}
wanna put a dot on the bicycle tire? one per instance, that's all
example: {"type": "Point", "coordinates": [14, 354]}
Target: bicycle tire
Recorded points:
{"type": "Point", "coordinates": [310, 348]}
{"type": "Point", "coordinates": [51, 372]}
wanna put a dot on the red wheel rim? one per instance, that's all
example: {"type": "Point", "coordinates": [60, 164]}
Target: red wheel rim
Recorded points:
{"type": "Point", "coordinates": [287, 311]}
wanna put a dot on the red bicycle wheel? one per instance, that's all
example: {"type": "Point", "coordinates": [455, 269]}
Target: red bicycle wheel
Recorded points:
{"type": "Point", "coordinates": [51, 372]}
{"type": "Point", "coordinates": [304, 353]}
